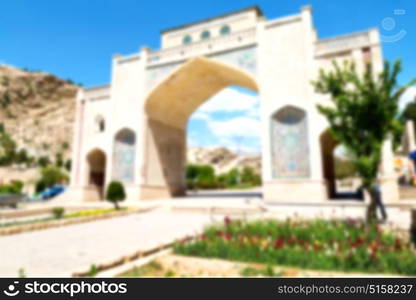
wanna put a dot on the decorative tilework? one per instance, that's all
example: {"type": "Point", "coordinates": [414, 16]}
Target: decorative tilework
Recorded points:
{"type": "Point", "coordinates": [290, 147]}
{"type": "Point", "coordinates": [124, 156]}
{"type": "Point", "coordinates": [244, 58]}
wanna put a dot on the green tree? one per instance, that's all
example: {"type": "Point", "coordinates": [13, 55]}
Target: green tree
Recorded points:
{"type": "Point", "coordinates": [21, 156]}
{"type": "Point", "coordinates": [409, 112]}
{"type": "Point", "coordinates": [233, 177]}
{"type": "Point", "coordinates": [68, 165]}
{"type": "Point", "coordinates": [363, 115]}
{"type": "Point", "coordinates": [248, 175]}
{"type": "Point", "coordinates": [201, 176]}
{"type": "Point", "coordinates": [7, 149]}
{"type": "Point", "coordinates": [50, 176]}
{"type": "Point", "coordinates": [115, 193]}
{"type": "Point", "coordinates": [59, 161]}
{"type": "Point", "coordinates": [43, 161]}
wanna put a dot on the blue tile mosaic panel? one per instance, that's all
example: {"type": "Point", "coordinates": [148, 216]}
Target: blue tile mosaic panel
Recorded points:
{"type": "Point", "coordinates": [124, 156]}
{"type": "Point", "coordinates": [290, 146]}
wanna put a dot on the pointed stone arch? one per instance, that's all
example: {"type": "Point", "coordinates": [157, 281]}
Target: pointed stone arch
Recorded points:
{"type": "Point", "coordinates": [174, 99]}
{"type": "Point", "coordinates": [168, 107]}
{"type": "Point", "coordinates": [97, 165]}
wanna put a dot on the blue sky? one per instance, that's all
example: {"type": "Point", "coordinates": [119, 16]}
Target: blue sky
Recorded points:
{"type": "Point", "coordinates": [76, 39]}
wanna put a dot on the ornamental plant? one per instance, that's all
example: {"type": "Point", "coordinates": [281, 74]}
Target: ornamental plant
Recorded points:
{"type": "Point", "coordinates": [364, 114]}
{"type": "Point", "coordinates": [344, 245]}
{"type": "Point", "coordinates": [115, 193]}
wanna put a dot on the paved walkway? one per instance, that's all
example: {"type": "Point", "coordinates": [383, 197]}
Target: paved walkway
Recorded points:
{"type": "Point", "coordinates": [61, 251]}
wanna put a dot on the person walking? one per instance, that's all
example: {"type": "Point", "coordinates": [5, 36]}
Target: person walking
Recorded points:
{"type": "Point", "coordinates": [379, 202]}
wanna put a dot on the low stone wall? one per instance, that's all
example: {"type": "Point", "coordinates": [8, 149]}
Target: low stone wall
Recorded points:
{"type": "Point", "coordinates": [127, 258]}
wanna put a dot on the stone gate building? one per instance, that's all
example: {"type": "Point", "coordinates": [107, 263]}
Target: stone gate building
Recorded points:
{"type": "Point", "coordinates": [134, 129]}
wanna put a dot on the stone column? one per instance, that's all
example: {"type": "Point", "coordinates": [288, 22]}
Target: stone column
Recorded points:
{"type": "Point", "coordinates": [410, 136]}
{"type": "Point", "coordinates": [75, 179]}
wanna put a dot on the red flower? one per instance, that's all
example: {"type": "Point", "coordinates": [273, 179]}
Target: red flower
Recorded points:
{"type": "Point", "coordinates": [227, 221]}
{"type": "Point", "coordinates": [279, 243]}
{"type": "Point", "coordinates": [228, 236]}
{"type": "Point", "coordinates": [359, 240]}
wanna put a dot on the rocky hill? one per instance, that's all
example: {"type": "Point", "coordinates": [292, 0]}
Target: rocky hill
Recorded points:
{"type": "Point", "coordinates": [223, 159]}
{"type": "Point", "coordinates": [37, 110]}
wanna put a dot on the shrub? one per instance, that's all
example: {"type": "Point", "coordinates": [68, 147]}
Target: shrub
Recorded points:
{"type": "Point", "coordinates": [232, 177]}
{"type": "Point", "coordinates": [14, 188]}
{"type": "Point", "coordinates": [93, 271]}
{"type": "Point", "coordinates": [200, 176]}
{"type": "Point", "coordinates": [21, 156]}
{"type": "Point", "coordinates": [59, 161]}
{"type": "Point", "coordinates": [50, 176]}
{"type": "Point", "coordinates": [115, 193]}
{"type": "Point", "coordinates": [40, 186]}
{"type": "Point", "coordinates": [68, 165]}
{"type": "Point", "coordinates": [53, 175]}
{"type": "Point", "coordinates": [44, 161]}
{"type": "Point", "coordinates": [17, 186]}
{"type": "Point", "coordinates": [58, 212]}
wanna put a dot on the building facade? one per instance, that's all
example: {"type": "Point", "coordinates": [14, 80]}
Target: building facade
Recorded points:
{"type": "Point", "coordinates": [134, 129]}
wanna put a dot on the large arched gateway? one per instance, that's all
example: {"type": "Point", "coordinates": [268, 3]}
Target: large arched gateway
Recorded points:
{"type": "Point", "coordinates": [168, 108]}
{"type": "Point", "coordinates": [143, 113]}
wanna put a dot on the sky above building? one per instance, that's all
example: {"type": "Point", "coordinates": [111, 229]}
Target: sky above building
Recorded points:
{"type": "Point", "coordinates": [76, 39]}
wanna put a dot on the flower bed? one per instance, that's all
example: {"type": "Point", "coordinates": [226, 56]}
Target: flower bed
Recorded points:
{"type": "Point", "coordinates": [345, 245]}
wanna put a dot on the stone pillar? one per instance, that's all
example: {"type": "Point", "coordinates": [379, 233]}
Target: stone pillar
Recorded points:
{"type": "Point", "coordinates": [75, 178]}
{"type": "Point", "coordinates": [410, 137]}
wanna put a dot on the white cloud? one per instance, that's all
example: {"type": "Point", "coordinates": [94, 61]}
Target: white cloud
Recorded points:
{"type": "Point", "coordinates": [239, 132]}
{"type": "Point", "coordinates": [199, 115]}
{"type": "Point", "coordinates": [407, 97]}
{"type": "Point", "coordinates": [230, 99]}
{"type": "Point", "coordinates": [235, 127]}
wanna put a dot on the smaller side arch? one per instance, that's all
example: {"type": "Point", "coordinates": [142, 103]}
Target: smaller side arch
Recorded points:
{"type": "Point", "coordinates": [97, 164]}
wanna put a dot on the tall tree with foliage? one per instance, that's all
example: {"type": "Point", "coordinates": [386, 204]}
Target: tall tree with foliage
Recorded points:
{"type": "Point", "coordinates": [364, 114]}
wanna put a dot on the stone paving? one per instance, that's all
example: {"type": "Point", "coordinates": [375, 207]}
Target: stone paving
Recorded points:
{"type": "Point", "coordinates": [61, 251]}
